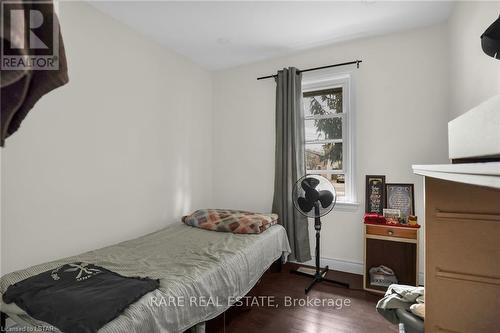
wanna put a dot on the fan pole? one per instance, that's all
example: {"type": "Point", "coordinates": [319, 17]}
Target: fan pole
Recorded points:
{"type": "Point", "coordinates": [320, 273]}
{"type": "Point", "coordinates": [317, 227]}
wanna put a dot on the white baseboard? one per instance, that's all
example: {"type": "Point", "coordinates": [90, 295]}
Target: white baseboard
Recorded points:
{"type": "Point", "coordinates": [353, 267]}
{"type": "Point", "coordinates": [337, 264]}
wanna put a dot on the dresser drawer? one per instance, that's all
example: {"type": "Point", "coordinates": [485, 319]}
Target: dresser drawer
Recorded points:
{"type": "Point", "coordinates": [462, 275]}
{"type": "Point", "coordinates": [391, 231]}
{"type": "Point", "coordinates": [462, 306]}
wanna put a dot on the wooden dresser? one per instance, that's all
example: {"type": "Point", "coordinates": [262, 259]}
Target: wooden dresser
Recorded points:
{"type": "Point", "coordinates": [392, 246]}
{"type": "Point", "coordinates": [462, 247]}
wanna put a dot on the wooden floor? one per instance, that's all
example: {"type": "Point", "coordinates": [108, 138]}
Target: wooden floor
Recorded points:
{"type": "Point", "coordinates": [360, 316]}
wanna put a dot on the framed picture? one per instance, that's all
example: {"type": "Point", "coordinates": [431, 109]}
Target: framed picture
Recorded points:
{"type": "Point", "coordinates": [375, 194]}
{"type": "Point", "coordinates": [400, 196]}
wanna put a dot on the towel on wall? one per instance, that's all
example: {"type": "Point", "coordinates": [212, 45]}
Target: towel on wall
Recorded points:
{"type": "Point", "coordinates": [21, 88]}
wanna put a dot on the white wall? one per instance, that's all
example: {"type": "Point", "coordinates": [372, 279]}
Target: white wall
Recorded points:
{"type": "Point", "coordinates": [122, 150]}
{"type": "Point", "coordinates": [402, 114]}
{"type": "Point", "coordinates": [474, 76]}
{"type": "Point", "coordinates": [126, 147]}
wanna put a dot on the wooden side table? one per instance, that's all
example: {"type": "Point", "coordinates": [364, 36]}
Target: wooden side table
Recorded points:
{"type": "Point", "coordinates": [395, 247]}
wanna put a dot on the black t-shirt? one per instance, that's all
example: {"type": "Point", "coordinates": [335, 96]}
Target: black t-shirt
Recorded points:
{"type": "Point", "coordinates": [78, 297]}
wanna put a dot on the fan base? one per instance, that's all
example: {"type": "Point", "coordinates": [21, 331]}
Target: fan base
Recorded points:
{"type": "Point", "coordinates": [318, 277]}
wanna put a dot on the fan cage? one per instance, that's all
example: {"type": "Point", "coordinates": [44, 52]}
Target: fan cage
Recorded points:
{"type": "Point", "coordinates": [324, 185]}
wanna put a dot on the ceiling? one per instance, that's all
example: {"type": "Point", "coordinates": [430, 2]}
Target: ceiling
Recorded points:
{"type": "Point", "coordinates": [219, 35]}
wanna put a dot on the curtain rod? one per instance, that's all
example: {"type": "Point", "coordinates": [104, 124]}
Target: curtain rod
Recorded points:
{"type": "Point", "coordinates": [357, 62]}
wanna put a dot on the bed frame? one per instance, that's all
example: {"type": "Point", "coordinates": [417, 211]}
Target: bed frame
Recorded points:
{"type": "Point", "coordinates": [3, 319]}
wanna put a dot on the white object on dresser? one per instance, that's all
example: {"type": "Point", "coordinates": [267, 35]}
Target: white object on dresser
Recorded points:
{"type": "Point", "coordinates": [482, 174]}
{"type": "Point", "coordinates": [476, 133]}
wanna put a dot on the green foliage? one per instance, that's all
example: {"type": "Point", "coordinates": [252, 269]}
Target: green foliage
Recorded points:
{"type": "Point", "coordinates": [331, 128]}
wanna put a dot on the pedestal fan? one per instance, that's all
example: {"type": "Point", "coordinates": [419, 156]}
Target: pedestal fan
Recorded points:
{"type": "Point", "coordinates": [314, 196]}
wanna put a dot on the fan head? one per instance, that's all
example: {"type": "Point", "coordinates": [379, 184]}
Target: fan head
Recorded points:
{"type": "Point", "coordinates": [314, 189]}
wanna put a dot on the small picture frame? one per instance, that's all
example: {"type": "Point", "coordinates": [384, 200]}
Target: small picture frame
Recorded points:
{"type": "Point", "coordinates": [392, 216]}
{"type": "Point", "coordinates": [402, 197]}
{"type": "Point", "coordinates": [392, 213]}
{"type": "Point", "coordinates": [375, 194]}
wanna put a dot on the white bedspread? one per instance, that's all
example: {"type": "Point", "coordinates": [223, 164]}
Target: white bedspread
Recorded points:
{"type": "Point", "coordinates": [202, 269]}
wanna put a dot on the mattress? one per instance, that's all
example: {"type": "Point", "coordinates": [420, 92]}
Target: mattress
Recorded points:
{"type": "Point", "coordinates": [201, 273]}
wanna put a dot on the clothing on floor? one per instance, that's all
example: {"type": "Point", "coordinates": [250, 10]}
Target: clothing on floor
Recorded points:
{"type": "Point", "coordinates": [399, 297]}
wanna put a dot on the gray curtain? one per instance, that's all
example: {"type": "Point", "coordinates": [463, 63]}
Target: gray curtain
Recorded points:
{"type": "Point", "coordinates": [290, 160]}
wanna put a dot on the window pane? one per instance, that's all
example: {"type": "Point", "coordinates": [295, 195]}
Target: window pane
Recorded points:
{"type": "Point", "coordinates": [323, 129]}
{"type": "Point", "coordinates": [323, 102]}
{"type": "Point", "coordinates": [326, 156]}
{"type": "Point", "coordinates": [338, 181]}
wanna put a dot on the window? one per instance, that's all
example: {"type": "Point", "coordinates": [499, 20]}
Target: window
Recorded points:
{"type": "Point", "coordinates": [327, 122]}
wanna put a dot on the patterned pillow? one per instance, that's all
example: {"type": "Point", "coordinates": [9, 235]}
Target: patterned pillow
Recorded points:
{"type": "Point", "coordinates": [226, 220]}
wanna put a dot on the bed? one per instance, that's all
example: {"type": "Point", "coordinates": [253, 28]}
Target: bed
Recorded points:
{"type": "Point", "coordinates": [202, 270]}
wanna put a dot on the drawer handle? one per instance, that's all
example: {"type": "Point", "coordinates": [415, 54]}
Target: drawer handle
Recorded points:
{"type": "Point", "coordinates": [454, 216]}
{"type": "Point", "coordinates": [390, 232]}
{"type": "Point", "coordinates": [440, 273]}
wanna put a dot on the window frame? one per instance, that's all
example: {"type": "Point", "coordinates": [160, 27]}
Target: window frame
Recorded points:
{"type": "Point", "coordinates": [328, 80]}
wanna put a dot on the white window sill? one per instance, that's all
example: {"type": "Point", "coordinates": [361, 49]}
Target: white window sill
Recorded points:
{"type": "Point", "coordinates": [346, 206]}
